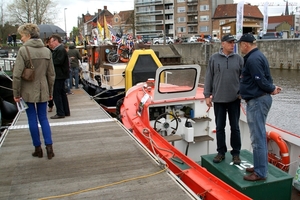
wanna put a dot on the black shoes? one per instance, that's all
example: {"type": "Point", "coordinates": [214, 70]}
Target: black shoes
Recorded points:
{"type": "Point", "coordinates": [57, 117]}
{"type": "Point", "coordinates": [236, 160]}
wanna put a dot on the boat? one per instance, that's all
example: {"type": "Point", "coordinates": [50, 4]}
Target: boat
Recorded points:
{"type": "Point", "coordinates": [105, 81]}
{"type": "Point", "coordinates": [168, 115]}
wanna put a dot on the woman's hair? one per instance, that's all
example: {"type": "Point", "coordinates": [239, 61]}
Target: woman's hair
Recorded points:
{"type": "Point", "coordinates": [29, 29]}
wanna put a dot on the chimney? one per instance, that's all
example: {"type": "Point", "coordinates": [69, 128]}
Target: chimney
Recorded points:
{"type": "Point", "coordinates": [105, 7]}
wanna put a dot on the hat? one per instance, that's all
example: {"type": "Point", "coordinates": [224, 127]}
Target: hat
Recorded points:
{"type": "Point", "coordinates": [247, 37]}
{"type": "Point", "coordinates": [228, 38]}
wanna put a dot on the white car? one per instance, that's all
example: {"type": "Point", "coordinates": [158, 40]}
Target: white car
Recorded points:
{"type": "Point", "coordinates": [19, 42]}
{"type": "Point", "coordinates": [169, 40]}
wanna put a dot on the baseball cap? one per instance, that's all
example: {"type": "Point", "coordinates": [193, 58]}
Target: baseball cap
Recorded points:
{"type": "Point", "coordinates": [247, 37]}
{"type": "Point", "coordinates": [228, 38]}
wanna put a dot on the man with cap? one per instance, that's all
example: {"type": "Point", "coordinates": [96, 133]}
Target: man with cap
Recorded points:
{"type": "Point", "coordinates": [256, 86]}
{"type": "Point", "coordinates": [222, 88]}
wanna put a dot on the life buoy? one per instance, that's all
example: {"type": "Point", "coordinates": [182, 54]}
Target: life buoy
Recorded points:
{"type": "Point", "coordinates": [282, 161]}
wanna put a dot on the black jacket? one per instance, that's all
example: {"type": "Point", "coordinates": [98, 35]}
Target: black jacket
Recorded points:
{"type": "Point", "coordinates": [61, 62]}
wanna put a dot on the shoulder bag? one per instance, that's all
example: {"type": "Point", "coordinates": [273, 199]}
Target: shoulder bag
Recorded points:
{"type": "Point", "coordinates": [28, 72]}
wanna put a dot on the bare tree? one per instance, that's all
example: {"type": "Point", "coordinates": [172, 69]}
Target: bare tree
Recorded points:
{"type": "Point", "coordinates": [32, 11]}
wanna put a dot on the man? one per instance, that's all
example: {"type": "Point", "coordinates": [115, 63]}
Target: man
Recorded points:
{"type": "Point", "coordinates": [61, 65]}
{"type": "Point", "coordinates": [14, 38]}
{"type": "Point", "coordinates": [222, 87]}
{"type": "Point", "coordinates": [75, 57]}
{"type": "Point", "coordinates": [255, 88]}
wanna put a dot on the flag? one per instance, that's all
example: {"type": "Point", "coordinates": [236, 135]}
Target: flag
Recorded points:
{"type": "Point", "coordinates": [100, 30]}
{"type": "Point", "coordinates": [107, 32]}
{"type": "Point", "coordinates": [265, 26]}
{"type": "Point", "coordinates": [76, 40]}
{"type": "Point", "coordinates": [239, 19]}
{"type": "Point", "coordinates": [119, 40]}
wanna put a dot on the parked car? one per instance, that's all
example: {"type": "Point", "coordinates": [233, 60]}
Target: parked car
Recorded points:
{"type": "Point", "coordinates": [3, 53]}
{"type": "Point", "coordinates": [272, 35]}
{"type": "Point", "coordinates": [19, 42]}
{"type": "Point", "coordinates": [192, 39]}
{"type": "Point", "coordinates": [160, 40]}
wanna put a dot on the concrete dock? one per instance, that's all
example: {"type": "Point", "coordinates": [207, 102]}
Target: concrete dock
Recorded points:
{"type": "Point", "coordinates": [95, 158]}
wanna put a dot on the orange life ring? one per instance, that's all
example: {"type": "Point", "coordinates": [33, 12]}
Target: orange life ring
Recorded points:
{"type": "Point", "coordinates": [120, 50]}
{"type": "Point", "coordinates": [283, 161]}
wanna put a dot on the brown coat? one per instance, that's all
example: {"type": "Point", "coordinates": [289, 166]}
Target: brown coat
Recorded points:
{"type": "Point", "coordinates": [41, 88]}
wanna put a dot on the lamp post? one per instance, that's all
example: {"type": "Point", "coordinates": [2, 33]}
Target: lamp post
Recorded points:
{"type": "Point", "coordinates": [65, 22]}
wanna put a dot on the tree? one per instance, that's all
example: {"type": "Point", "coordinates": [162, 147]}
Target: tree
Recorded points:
{"type": "Point", "coordinates": [32, 11]}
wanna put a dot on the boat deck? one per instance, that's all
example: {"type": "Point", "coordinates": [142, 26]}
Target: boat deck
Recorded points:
{"type": "Point", "coordinates": [95, 158]}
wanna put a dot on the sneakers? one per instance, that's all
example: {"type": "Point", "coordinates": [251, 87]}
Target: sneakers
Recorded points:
{"type": "Point", "coordinates": [236, 160]}
{"type": "Point", "coordinates": [218, 158]}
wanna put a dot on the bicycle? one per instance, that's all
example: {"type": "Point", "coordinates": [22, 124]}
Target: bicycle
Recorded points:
{"type": "Point", "coordinates": [122, 53]}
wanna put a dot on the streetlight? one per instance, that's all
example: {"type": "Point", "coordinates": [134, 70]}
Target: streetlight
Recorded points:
{"type": "Point", "coordinates": [65, 21]}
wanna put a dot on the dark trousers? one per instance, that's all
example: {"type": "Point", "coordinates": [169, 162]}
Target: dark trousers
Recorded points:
{"type": "Point", "coordinates": [50, 103]}
{"type": "Point", "coordinates": [60, 98]}
{"type": "Point", "coordinates": [233, 110]}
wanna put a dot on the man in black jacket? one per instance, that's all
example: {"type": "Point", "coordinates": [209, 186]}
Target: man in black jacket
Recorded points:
{"type": "Point", "coordinates": [61, 65]}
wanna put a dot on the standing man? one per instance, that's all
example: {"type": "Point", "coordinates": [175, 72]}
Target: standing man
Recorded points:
{"type": "Point", "coordinates": [222, 88]}
{"type": "Point", "coordinates": [61, 66]}
{"type": "Point", "coordinates": [14, 38]}
{"type": "Point", "coordinates": [255, 87]}
{"type": "Point", "coordinates": [75, 57]}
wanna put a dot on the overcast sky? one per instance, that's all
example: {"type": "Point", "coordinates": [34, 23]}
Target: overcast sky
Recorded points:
{"type": "Point", "coordinates": [75, 8]}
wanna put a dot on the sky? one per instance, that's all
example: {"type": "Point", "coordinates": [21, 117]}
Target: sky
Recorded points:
{"type": "Point", "coordinates": [75, 8]}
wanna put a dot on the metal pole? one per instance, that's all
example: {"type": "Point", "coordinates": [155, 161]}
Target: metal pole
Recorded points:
{"type": "Point", "coordinates": [36, 10]}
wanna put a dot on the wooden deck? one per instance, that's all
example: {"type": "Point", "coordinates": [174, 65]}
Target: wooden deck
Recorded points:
{"type": "Point", "coordinates": [95, 158]}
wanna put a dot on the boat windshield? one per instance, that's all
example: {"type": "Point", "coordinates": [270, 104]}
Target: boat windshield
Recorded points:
{"type": "Point", "coordinates": [177, 80]}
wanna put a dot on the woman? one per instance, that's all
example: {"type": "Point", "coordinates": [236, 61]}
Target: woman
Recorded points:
{"type": "Point", "coordinates": [35, 93]}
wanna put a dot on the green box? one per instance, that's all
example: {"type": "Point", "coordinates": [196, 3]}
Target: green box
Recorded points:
{"type": "Point", "coordinates": [278, 185]}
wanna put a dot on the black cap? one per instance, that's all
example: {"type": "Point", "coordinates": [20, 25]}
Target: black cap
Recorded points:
{"type": "Point", "coordinates": [228, 38]}
{"type": "Point", "coordinates": [247, 37]}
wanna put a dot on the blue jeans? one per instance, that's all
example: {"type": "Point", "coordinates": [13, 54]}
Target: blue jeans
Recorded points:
{"type": "Point", "coordinates": [35, 112]}
{"type": "Point", "coordinates": [74, 72]}
{"type": "Point", "coordinates": [67, 86]}
{"type": "Point", "coordinates": [257, 112]}
{"type": "Point", "coordinates": [233, 110]}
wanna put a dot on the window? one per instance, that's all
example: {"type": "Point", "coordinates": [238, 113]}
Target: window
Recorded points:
{"type": "Point", "coordinates": [116, 20]}
{"type": "Point", "coordinates": [204, 29]}
{"type": "Point", "coordinates": [204, 7]}
{"type": "Point", "coordinates": [221, 22]}
{"type": "Point", "coordinates": [181, 29]}
{"type": "Point", "coordinates": [181, 9]}
{"type": "Point", "coordinates": [181, 19]}
{"type": "Point", "coordinates": [204, 18]}
{"type": "Point", "coordinates": [180, 1]}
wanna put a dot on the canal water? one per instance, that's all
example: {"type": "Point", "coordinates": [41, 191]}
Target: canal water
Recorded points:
{"type": "Point", "coordinates": [285, 110]}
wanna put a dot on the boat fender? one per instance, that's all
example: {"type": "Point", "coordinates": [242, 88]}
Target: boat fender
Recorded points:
{"type": "Point", "coordinates": [8, 110]}
{"type": "Point", "coordinates": [283, 161]}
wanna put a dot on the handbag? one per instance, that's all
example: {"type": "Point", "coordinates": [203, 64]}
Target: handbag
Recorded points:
{"type": "Point", "coordinates": [28, 72]}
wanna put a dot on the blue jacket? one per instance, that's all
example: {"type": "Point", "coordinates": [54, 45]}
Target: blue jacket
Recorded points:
{"type": "Point", "coordinates": [256, 78]}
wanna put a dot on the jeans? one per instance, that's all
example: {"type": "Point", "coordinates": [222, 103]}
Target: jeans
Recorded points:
{"type": "Point", "coordinates": [74, 72]}
{"type": "Point", "coordinates": [257, 112]}
{"type": "Point", "coordinates": [67, 86]}
{"type": "Point", "coordinates": [35, 112]}
{"type": "Point", "coordinates": [233, 110]}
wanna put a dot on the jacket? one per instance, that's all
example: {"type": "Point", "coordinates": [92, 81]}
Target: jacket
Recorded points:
{"type": "Point", "coordinates": [41, 87]}
{"type": "Point", "coordinates": [256, 78]}
{"type": "Point", "coordinates": [61, 62]}
{"type": "Point", "coordinates": [223, 77]}
{"type": "Point", "coordinates": [74, 56]}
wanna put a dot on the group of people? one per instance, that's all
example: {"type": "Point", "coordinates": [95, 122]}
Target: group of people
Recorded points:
{"type": "Point", "coordinates": [230, 78]}
{"type": "Point", "coordinates": [51, 67]}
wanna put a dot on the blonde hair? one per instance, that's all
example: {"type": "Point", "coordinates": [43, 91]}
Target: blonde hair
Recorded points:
{"type": "Point", "coordinates": [29, 29]}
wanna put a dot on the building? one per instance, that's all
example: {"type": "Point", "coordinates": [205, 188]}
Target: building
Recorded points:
{"type": "Point", "coordinates": [288, 25]}
{"type": "Point", "coordinates": [224, 19]}
{"type": "Point", "coordinates": [175, 18]}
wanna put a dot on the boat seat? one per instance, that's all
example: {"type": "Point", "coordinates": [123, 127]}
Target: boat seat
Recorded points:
{"type": "Point", "coordinates": [203, 138]}
{"type": "Point", "coordinates": [173, 138]}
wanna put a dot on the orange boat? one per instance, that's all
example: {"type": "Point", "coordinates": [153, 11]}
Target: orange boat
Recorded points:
{"type": "Point", "coordinates": [169, 116]}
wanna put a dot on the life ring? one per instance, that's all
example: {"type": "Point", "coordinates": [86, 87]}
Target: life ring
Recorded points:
{"type": "Point", "coordinates": [282, 161]}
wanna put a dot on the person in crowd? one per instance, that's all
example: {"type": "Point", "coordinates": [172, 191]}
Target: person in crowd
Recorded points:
{"type": "Point", "coordinates": [9, 40]}
{"type": "Point", "coordinates": [61, 66]}
{"type": "Point", "coordinates": [14, 38]}
{"type": "Point", "coordinates": [35, 93]}
{"type": "Point", "coordinates": [222, 88]}
{"type": "Point", "coordinates": [256, 86]}
{"type": "Point", "coordinates": [68, 86]}
{"type": "Point", "coordinates": [50, 102]}
{"type": "Point", "coordinates": [75, 58]}
{"type": "Point", "coordinates": [260, 34]}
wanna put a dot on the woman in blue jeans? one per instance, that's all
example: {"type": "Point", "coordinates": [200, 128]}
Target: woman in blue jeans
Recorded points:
{"type": "Point", "coordinates": [35, 93]}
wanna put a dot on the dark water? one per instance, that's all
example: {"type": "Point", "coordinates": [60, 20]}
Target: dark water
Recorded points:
{"type": "Point", "coordinates": [285, 110]}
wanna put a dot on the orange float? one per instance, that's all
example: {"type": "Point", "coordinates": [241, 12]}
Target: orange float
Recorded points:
{"type": "Point", "coordinates": [282, 161]}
